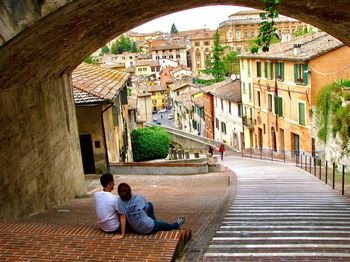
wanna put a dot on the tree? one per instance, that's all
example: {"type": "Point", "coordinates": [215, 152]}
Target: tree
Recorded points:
{"type": "Point", "coordinates": [173, 29]}
{"type": "Point", "coordinates": [90, 60]}
{"type": "Point", "coordinates": [231, 63]}
{"type": "Point", "coordinates": [267, 30]}
{"type": "Point", "coordinates": [104, 50]}
{"type": "Point", "coordinates": [150, 143]}
{"type": "Point", "coordinates": [216, 63]}
{"type": "Point", "coordinates": [123, 44]}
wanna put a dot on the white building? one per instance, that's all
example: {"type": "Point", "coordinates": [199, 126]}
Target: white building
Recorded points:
{"type": "Point", "coordinates": [228, 114]}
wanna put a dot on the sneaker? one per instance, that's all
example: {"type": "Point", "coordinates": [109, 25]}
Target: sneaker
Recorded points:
{"type": "Point", "coordinates": [181, 221]}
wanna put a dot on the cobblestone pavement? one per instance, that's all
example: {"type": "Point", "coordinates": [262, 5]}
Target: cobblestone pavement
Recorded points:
{"type": "Point", "coordinates": [69, 232]}
{"type": "Point", "coordinates": [281, 213]}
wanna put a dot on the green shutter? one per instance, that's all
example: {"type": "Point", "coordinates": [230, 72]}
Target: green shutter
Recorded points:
{"type": "Point", "coordinates": [266, 70]}
{"type": "Point", "coordinates": [282, 71]}
{"type": "Point", "coordinates": [296, 73]}
{"type": "Point", "coordinates": [258, 69]}
{"type": "Point", "coordinates": [280, 106]}
{"type": "Point", "coordinates": [276, 105]}
{"type": "Point", "coordinates": [305, 68]}
{"type": "Point", "coordinates": [124, 95]}
{"type": "Point", "coordinates": [301, 113]}
{"type": "Point", "coordinates": [277, 69]}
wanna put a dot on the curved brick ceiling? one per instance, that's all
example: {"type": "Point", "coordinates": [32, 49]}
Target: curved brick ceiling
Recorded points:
{"type": "Point", "coordinates": [52, 37]}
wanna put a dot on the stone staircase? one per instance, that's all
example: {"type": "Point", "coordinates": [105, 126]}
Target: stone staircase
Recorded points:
{"type": "Point", "coordinates": [280, 218]}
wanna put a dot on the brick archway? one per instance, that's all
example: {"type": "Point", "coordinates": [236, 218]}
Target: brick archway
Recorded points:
{"type": "Point", "coordinates": [41, 42]}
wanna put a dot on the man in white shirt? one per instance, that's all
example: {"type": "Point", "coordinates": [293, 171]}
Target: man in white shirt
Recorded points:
{"type": "Point", "coordinates": [108, 217]}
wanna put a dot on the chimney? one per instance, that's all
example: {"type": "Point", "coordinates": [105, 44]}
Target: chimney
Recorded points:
{"type": "Point", "coordinates": [296, 48]}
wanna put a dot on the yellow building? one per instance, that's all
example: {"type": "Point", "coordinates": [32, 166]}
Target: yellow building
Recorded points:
{"type": "Point", "coordinates": [100, 96]}
{"type": "Point", "coordinates": [243, 26]}
{"type": "Point", "coordinates": [202, 43]}
{"type": "Point", "coordinates": [143, 69]}
{"type": "Point", "coordinates": [286, 81]}
{"type": "Point", "coordinates": [158, 95]}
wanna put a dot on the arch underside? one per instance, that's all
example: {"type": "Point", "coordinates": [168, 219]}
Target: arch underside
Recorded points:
{"type": "Point", "coordinates": [46, 40]}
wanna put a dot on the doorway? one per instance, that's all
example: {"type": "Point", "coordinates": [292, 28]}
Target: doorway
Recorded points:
{"type": "Point", "coordinates": [260, 138]}
{"type": "Point", "coordinates": [87, 154]}
{"type": "Point", "coordinates": [295, 143]}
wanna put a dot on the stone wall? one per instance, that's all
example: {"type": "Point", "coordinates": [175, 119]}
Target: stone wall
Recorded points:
{"type": "Point", "coordinates": [39, 148]}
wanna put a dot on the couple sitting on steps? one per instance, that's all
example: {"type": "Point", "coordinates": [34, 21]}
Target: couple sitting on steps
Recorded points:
{"type": "Point", "coordinates": [113, 213]}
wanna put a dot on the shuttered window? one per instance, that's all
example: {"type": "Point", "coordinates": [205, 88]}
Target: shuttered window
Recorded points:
{"type": "Point", "coordinates": [301, 108]}
{"type": "Point", "coordinates": [258, 69]}
{"type": "Point", "coordinates": [301, 74]}
{"type": "Point", "coordinates": [279, 106]}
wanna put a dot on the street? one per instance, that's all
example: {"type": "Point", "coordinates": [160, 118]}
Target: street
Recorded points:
{"type": "Point", "coordinates": [162, 118]}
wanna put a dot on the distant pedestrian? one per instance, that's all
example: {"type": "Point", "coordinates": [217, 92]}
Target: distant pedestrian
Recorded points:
{"type": "Point", "coordinates": [211, 150]}
{"type": "Point", "coordinates": [140, 214]}
{"type": "Point", "coordinates": [222, 151]}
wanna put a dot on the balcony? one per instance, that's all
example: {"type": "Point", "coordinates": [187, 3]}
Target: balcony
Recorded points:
{"type": "Point", "coordinates": [248, 122]}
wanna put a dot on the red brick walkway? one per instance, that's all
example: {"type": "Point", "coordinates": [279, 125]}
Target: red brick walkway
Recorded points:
{"type": "Point", "coordinates": [44, 242]}
{"type": "Point", "coordinates": [69, 232]}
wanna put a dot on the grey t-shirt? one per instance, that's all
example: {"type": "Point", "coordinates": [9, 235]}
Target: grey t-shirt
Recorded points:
{"type": "Point", "coordinates": [134, 209]}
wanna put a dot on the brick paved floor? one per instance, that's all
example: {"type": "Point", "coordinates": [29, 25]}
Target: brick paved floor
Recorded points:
{"type": "Point", "coordinates": [69, 232]}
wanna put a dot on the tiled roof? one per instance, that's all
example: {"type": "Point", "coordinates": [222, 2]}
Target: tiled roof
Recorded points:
{"type": "Point", "coordinates": [208, 89]}
{"type": "Point", "coordinates": [151, 88]}
{"type": "Point", "coordinates": [311, 46]}
{"type": "Point", "coordinates": [103, 84]}
{"type": "Point", "coordinates": [203, 34]}
{"type": "Point", "coordinates": [179, 68]}
{"type": "Point", "coordinates": [229, 90]}
{"type": "Point", "coordinates": [147, 63]}
{"type": "Point", "coordinates": [179, 85]}
{"type": "Point", "coordinates": [199, 101]}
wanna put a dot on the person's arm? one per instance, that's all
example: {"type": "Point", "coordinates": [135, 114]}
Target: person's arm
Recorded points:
{"type": "Point", "coordinates": [122, 220]}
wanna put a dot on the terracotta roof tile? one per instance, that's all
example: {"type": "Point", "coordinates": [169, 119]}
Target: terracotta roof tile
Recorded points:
{"type": "Point", "coordinates": [104, 84]}
{"type": "Point", "coordinates": [311, 46]}
{"type": "Point", "coordinates": [199, 101]}
{"type": "Point", "coordinates": [229, 90]}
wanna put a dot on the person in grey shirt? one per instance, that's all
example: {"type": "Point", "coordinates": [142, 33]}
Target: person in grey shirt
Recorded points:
{"type": "Point", "coordinates": [140, 214]}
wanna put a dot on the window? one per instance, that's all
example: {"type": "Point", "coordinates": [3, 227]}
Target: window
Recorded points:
{"type": "Point", "coordinates": [301, 74]}
{"type": "Point", "coordinates": [244, 91]}
{"type": "Point", "coordinates": [242, 64]}
{"type": "Point", "coordinates": [238, 35]}
{"type": "Point", "coordinates": [206, 43]}
{"type": "Point", "coordinates": [280, 71]}
{"type": "Point", "coordinates": [178, 93]}
{"type": "Point", "coordinates": [217, 123]}
{"type": "Point", "coordinates": [229, 36]}
{"type": "Point", "coordinates": [268, 70]}
{"type": "Point", "coordinates": [177, 56]}
{"type": "Point", "coordinates": [163, 56]}
{"type": "Point", "coordinates": [279, 106]}
{"type": "Point", "coordinates": [248, 65]}
{"type": "Point", "coordinates": [250, 91]}
{"type": "Point", "coordinates": [240, 110]}
{"type": "Point", "coordinates": [229, 107]}
{"type": "Point", "coordinates": [171, 56]}
{"type": "Point", "coordinates": [258, 69]}
{"type": "Point", "coordinates": [222, 105]}
{"type": "Point", "coordinates": [239, 50]}
{"type": "Point", "coordinates": [258, 98]}
{"type": "Point", "coordinates": [144, 69]}
{"type": "Point", "coordinates": [139, 69]}
{"type": "Point", "coordinates": [223, 127]}
{"type": "Point", "coordinates": [301, 109]}
{"type": "Point", "coordinates": [245, 34]}
{"type": "Point", "coordinates": [269, 102]}
{"type": "Point", "coordinates": [196, 43]}
{"type": "Point", "coordinates": [216, 102]}
{"type": "Point", "coordinates": [252, 34]}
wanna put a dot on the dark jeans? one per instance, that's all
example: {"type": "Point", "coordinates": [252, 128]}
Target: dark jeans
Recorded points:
{"type": "Point", "coordinates": [222, 155]}
{"type": "Point", "coordinates": [158, 224]}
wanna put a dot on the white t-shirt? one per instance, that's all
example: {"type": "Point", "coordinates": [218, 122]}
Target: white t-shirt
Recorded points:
{"type": "Point", "coordinates": [134, 209]}
{"type": "Point", "coordinates": [106, 205]}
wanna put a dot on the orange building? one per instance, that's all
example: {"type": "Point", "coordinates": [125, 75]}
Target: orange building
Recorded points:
{"type": "Point", "coordinates": [243, 26]}
{"type": "Point", "coordinates": [286, 81]}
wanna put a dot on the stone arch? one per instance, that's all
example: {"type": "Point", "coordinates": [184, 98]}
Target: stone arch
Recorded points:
{"type": "Point", "coordinates": [41, 42]}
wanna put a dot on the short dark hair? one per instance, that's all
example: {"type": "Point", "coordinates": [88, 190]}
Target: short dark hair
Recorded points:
{"type": "Point", "coordinates": [124, 191]}
{"type": "Point", "coordinates": [106, 178]}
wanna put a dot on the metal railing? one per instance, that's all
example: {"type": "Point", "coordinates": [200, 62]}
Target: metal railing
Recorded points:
{"type": "Point", "coordinates": [336, 175]}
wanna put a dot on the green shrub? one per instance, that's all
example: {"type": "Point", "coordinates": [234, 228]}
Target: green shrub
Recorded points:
{"type": "Point", "coordinates": [150, 143]}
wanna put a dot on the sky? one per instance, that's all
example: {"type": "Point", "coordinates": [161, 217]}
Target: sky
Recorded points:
{"type": "Point", "coordinates": [196, 18]}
